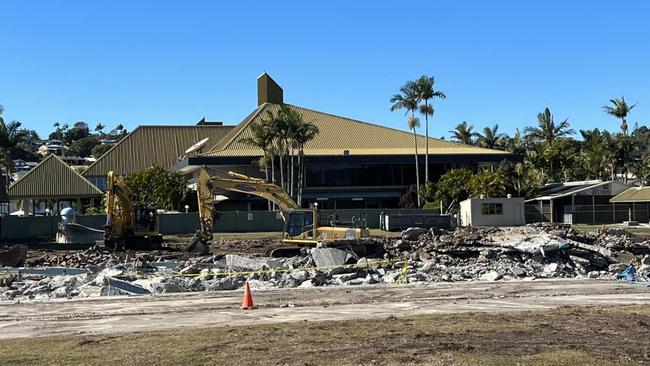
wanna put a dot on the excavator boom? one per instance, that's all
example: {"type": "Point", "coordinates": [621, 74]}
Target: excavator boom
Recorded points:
{"type": "Point", "coordinates": [235, 182]}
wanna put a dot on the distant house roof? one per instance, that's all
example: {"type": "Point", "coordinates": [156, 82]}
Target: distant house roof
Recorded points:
{"type": "Point", "coordinates": [559, 190]}
{"type": "Point", "coordinates": [52, 178]}
{"type": "Point", "coordinates": [338, 134]}
{"type": "Point", "coordinates": [153, 145]}
{"type": "Point", "coordinates": [634, 194]}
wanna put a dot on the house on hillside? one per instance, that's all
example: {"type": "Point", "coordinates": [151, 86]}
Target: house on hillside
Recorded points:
{"type": "Point", "coordinates": [350, 163]}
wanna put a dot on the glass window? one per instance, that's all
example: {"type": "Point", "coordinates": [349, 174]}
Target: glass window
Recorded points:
{"type": "Point", "coordinates": [491, 209]}
{"type": "Point", "coordinates": [295, 223]}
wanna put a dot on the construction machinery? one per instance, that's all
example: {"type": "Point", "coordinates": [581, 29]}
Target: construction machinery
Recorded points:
{"type": "Point", "coordinates": [128, 226]}
{"type": "Point", "coordinates": [301, 225]}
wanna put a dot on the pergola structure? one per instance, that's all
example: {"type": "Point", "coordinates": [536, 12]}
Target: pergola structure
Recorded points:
{"type": "Point", "coordinates": [52, 182]}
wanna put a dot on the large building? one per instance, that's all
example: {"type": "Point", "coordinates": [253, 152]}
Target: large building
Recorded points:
{"type": "Point", "coordinates": [349, 164]}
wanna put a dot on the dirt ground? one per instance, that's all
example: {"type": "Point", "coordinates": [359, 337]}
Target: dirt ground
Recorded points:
{"type": "Point", "coordinates": [564, 336]}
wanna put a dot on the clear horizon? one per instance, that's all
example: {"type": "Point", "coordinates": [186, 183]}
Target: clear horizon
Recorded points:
{"type": "Point", "coordinates": [160, 63]}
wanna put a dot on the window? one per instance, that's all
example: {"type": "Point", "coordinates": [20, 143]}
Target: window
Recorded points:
{"type": "Point", "coordinates": [491, 208]}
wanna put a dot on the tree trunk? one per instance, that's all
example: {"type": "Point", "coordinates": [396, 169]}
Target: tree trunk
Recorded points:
{"type": "Point", "coordinates": [292, 180]}
{"type": "Point", "coordinates": [426, 143]}
{"type": "Point", "coordinates": [282, 173]}
{"type": "Point", "coordinates": [417, 167]}
{"type": "Point", "coordinates": [266, 175]}
{"type": "Point", "coordinates": [625, 153]}
{"type": "Point", "coordinates": [300, 176]}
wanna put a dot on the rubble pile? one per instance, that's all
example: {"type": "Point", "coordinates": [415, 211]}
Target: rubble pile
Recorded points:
{"type": "Point", "coordinates": [417, 256]}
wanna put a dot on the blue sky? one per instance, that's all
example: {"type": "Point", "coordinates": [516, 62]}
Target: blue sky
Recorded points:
{"type": "Point", "coordinates": [158, 62]}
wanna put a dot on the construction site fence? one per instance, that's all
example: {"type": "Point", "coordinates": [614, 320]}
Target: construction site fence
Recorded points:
{"type": "Point", "coordinates": [14, 228]}
{"type": "Point", "coordinates": [593, 214]}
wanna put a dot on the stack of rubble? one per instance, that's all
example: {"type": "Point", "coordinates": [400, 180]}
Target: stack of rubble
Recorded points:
{"type": "Point", "coordinates": [418, 256]}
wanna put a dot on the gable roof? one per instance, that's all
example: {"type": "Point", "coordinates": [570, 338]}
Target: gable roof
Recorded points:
{"type": "Point", "coordinates": [153, 145]}
{"type": "Point", "coordinates": [634, 194]}
{"type": "Point", "coordinates": [337, 134]}
{"type": "Point", "coordinates": [559, 190]}
{"type": "Point", "coordinates": [53, 178]}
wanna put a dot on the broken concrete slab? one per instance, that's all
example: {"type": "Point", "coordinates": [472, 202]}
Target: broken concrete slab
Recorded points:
{"type": "Point", "coordinates": [252, 263]}
{"type": "Point", "coordinates": [113, 286]}
{"type": "Point", "coordinates": [329, 257]}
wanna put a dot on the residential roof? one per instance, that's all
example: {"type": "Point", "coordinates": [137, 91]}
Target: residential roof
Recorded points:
{"type": "Point", "coordinates": [634, 194]}
{"type": "Point", "coordinates": [52, 178]}
{"type": "Point", "coordinates": [559, 190]}
{"type": "Point", "coordinates": [338, 134]}
{"type": "Point", "coordinates": [153, 145]}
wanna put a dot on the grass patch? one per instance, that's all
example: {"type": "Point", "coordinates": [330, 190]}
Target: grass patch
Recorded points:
{"type": "Point", "coordinates": [565, 336]}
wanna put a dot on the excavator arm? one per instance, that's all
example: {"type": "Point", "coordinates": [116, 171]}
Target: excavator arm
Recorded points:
{"type": "Point", "coordinates": [206, 185]}
{"type": "Point", "coordinates": [119, 210]}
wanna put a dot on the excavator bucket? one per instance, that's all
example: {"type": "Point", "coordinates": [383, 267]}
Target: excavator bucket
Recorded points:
{"type": "Point", "coordinates": [198, 244]}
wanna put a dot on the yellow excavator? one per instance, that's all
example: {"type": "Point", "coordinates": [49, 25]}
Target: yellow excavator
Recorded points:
{"type": "Point", "coordinates": [301, 225]}
{"type": "Point", "coordinates": [128, 226]}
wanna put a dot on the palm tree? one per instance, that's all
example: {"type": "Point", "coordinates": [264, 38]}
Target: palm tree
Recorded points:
{"type": "Point", "coordinates": [425, 91]}
{"type": "Point", "coordinates": [547, 133]}
{"type": "Point", "coordinates": [490, 137]}
{"type": "Point", "coordinates": [260, 138]}
{"type": "Point", "coordinates": [516, 143]}
{"type": "Point", "coordinates": [408, 99]}
{"type": "Point", "coordinates": [99, 127]}
{"type": "Point", "coordinates": [463, 133]}
{"type": "Point", "coordinates": [620, 109]}
{"type": "Point", "coordinates": [306, 132]}
{"type": "Point", "coordinates": [547, 130]}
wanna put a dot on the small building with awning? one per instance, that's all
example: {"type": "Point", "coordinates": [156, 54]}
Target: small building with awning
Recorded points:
{"type": "Point", "coordinates": [579, 202]}
{"type": "Point", "coordinates": [634, 203]}
{"type": "Point", "coordinates": [52, 185]}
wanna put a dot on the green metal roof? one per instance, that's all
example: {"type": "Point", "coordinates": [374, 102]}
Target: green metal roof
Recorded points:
{"type": "Point", "coordinates": [52, 178]}
{"type": "Point", "coordinates": [634, 194]}
{"type": "Point", "coordinates": [338, 134]}
{"type": "Point", "coordinates": [153, 145]}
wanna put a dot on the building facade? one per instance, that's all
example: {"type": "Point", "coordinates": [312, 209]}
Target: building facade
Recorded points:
{"type": "Point", "coordinates": [349, 164]}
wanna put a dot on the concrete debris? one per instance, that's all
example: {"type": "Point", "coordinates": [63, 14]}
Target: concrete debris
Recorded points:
{"type": "Point", "coordinates": [417, 256]}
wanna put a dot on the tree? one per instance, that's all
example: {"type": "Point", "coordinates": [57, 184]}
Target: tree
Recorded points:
{"type": "Point", "coordinates": [157, 186]}
{"type": "Point", "coordinates": [488, 184]}
{"type": "Point", "coordinates": [490, 138]}
{"type": "Point", "coordinates": [548, 132]}
{"type": "Point", "coordinates": [424, 86]}
{"type": "Point", "coordinates": [452, 188]}
{"type": "Point", "coordinates": [11, 136]}
{"type": "Point", "coordinates": [409, 198]}
{"type": "Point", "coordinates": [306, 132]}
{"type": "Point", "coordinates": [516, 143]}
{"type": "Point", "coordinates": [99, 150]}
{"type": "Point", "coordinates": [77, 132]}
{"type": "Point", "coordinates": [83, 147]}
{"type": "Point", "coordinates": [408, 99]}
{"type": "Point", "coordinates": [463, 133]}
{"type": "Point", "coordinates": [100, 128]}
{"type": "Point", "coordinates": [620, 109]}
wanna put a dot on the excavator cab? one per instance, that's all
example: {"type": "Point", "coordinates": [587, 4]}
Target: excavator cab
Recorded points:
{"type": "Point", "coordinates": [300, 225]}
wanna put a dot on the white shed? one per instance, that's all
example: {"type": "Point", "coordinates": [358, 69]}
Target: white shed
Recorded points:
{"type": "Point", "coordinates": [492, 212]}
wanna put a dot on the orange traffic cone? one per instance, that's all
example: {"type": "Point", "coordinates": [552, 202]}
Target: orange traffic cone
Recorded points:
{"type": "Point", "coordinates": [247, 304]}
